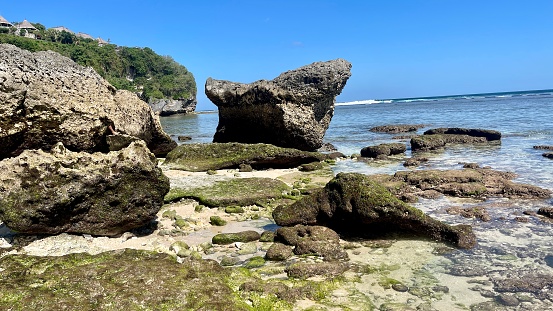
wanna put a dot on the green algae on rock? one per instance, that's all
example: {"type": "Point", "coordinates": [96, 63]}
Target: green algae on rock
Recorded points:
{"type": "Point", "coordinates": [214, 156]}
{"type": "Point", "coordinates": [229, 238]}
{"type": "Point", "coordinates": [77, 192]}
{"type": "Point", "coordinates": [237, 191]}
{"type": "Point", "coordinates": [116, 280]}
{"type": "Point", "coordinates": [356, 203]}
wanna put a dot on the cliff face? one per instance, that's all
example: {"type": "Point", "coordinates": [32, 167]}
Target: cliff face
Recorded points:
{"type": "Point", "coordinates": [46, 98]}
{"type": "Point", "coordinates": [166, 107]}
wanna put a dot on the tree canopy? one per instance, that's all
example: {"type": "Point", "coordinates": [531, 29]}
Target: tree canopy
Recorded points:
{"type": "Point", "coordinates": [139, 70]}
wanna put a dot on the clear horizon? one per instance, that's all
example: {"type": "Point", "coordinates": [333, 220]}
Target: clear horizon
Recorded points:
{"type": "Point", "coordinates": [398, 49]}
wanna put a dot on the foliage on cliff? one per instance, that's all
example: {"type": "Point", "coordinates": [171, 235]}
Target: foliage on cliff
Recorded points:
{"type": "Point", "coordinates": [135, 69]}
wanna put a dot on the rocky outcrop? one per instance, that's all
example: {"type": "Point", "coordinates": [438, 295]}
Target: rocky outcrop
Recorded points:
{"type": "Point", "coordinates": [47, 98]}
{"type": "Point", "coordinates": [313, 240]}
{"type": "Point", "coordinates": [356, 204]}
{"type": "Point", "coordinates": [383, 150]}
{"type": "Point", "coordinates": [479, 183]}
{"type": "Point", "coordinates": [293, 110]}
{"type": "Point", "coordinates": [203, 157]}
{"type": "Point", "coordinates": [64, 191]}
{"type": "Point", "coordinates": [167, 106]}
{"type": "Point", "coordinates": [397, 128]}
{"type": "Point", "coordinates": [438, 138]}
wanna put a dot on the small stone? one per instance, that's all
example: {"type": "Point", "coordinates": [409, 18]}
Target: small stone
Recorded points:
{"type": "Point", "coordinates": [508, 300]}
{"type": "Point", "coordinates": [184, 138]}
{"type": "Point", "coordinates": [267, 236]}
{"type": "Point", "coordinates": [227, 261]}
{"type": "Point", "coordinates": [255, 262]}
{"type": "Point", "coordinates": [245, 168]}
{"type": "Point", "coordinates": [400, 287]}
{"type": "Point", "coordinates": [217, 221]}
{"type": "Point", "coordinates": [278, 252]}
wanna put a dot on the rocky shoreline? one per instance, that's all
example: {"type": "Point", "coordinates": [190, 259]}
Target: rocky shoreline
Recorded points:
{"type": "Point", "coordinates": [104, 224]}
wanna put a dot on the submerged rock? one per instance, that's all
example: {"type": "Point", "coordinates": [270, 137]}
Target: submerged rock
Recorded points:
{"type": "Point", "coordinates": [357, 204]}
{"type": "Point", "coordinates": [47, 98]}
{"type": "Point", "coordinates": [203, 157]}
{"type": "Point", "coordinates": [64, 191]}
{"type": "Point", "coordinates": [438, 138]}
{"type": "Point", "coordinates": [477, 183]}
{"type": "Point", "coordinates": [383, 150]}
{"type": "Point", "coordinates": [293, 110]}
{"type": "Point", "coordinates": [397, 128]}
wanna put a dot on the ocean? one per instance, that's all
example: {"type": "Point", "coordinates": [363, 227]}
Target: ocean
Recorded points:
{"type": "Point", "coordinates": [508, 248]}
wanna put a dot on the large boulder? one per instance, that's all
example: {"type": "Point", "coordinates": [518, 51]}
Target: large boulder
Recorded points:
{"type": "Point", "coordinates": [354, 203]}
{"type": "Point", "coordinates": [293, 110]}
{"type": "Point", "coordinates": [77, 192]}
{"type": "Point", "coordinates": [47, 98]}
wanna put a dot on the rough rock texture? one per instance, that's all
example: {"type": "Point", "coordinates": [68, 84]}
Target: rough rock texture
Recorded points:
{"type": "Point", "coordinates": [477, 183]}
{"type": "Point", "coordinates": [203, 157]}
{"type": "Point", "coordinates": [47, 98]}
{"type": "Point", "coordinates": [117, 280]}
{"type": "Point", "coordinates": [229, 238]}
{"type": "Point", "coordinates": [397, 128]}
{"type": "Point", "coordinates": [313, 240]}
{"type": "Point", "coordinates": [278, 252]}
{"type": "Point", "coordinates": [167, 107]}
{"type": "Point", "coordinates": [293, 110]}
{"type": "Point", "coordinates": [303, 270]}
{"type": "Point", "coordinates": [438, 138]}
{"type": "Point", "coordinates": [64, 191]}
{"type": "Point", "coordinates": [546, 211]}
{"type": "Point", "coordinates": [356, 204]}
{"type": "Point", "coordinates": [383, 150]}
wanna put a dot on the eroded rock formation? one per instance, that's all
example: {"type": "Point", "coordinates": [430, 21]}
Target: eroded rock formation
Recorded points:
{"type": "Point", "coordinates": [293, 110]}
{"type": "Point", "coordinates": [77, 192]}
{"type": "Point", "coordinates": [47, 98]}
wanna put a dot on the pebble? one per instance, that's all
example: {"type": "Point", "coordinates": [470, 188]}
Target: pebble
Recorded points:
{"type": "Point", "coordinates": [508, 300]}
{"type": "Point", "coordinates": [400, 287]}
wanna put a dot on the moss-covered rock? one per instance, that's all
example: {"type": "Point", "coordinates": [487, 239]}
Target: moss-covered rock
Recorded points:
{"type": "Point", "coordinates": [313, 240]}
{"type": "Point", "coordinates": [306, 270]}
{"type": "Point", "coordinates": [232, 192]}
{"type": "Point", "coordinates": [77, 192]}
{"type": "Point", "coordinates": [234, 209]}
{"type": "Point", "coordinates": [255, 262]}
{"type": "Point", "coordinates": [278, 252]}
{"type": "Point", "coordinates": [214, 156]}
{"type": "Point", "coordinates": [117, 280]}
{"type": "Point", "coordinates": [228, 238]}
{"type": "Point", "coordinates": [357, 204]}
{"type": "Point", "coordinates": [438, 138]}
{"type": "Point", "coordinates": [217, 221]}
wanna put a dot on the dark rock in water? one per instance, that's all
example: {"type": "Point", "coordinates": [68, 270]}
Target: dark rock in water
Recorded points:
{"type": "Point", "coordinates": [64, 191]}
{"type": "Point", "coordinates": [487, 134]}
{"type": "Point", "coordinates": [47, 98]}
{"type": "Point", "coordinates": [203, 157]}
{"type": "Point", "coordinates": [397, 128]}
{"type": "Point", "coordinates": [279, 252]}
{"type": "Point", "coordinates": [293, 110]}
{"type": "Point", "coordinates": [546, 211]}
{"type": "Point", "coordinates": [548, 155]}
{"type": "Point", "coordinates": [356, 203]}
{"type": "Point", "coordinates": [468, 270]}
{"type": "Point", "coordinates": [184, 138]}
{"type": "Point", "coordinates": [307, 270]}
{"type": "Point", "coordinates": [472, 183]}
{"type": "Point", "coordinates": [508, 300]}
{"type": "Point", "coordinates": [383, 150]}
{"type": "Point", "coordinates": [470, 212]}
{"type": "Point", "coordinates": [416, 161]}
{"type": "Point", "coordinates": [438, 138]}
{"type": "Point", "coordinates": [313, 240]}
{"type": "Point", "coordinates": [543, 147]}
{"type": "Point", "coordinates": [549, 260]}
{"type": "Point", "coordinates": [399, 287]}
{"type": "Point", "coordinates": [537, 284]}
{"type": "Point", "coordinates": [229, 238]}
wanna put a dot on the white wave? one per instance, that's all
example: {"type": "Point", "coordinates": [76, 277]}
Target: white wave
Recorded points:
{"type": "Point", "coordinates": [363, 102]}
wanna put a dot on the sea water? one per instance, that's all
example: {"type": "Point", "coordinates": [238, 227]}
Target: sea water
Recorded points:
{"type": "Point", "coordinates": [507, 248]}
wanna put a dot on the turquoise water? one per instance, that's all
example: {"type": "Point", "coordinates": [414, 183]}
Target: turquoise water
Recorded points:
{"type": "Point", "coordinates": [507, 248]}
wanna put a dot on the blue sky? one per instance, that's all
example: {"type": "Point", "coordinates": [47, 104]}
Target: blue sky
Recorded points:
{"type": "Point", "coordinates": [397, 48]}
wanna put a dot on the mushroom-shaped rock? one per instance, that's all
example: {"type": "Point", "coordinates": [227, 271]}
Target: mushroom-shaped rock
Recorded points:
{"type": "Point", "coordinates": [293, 110]}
